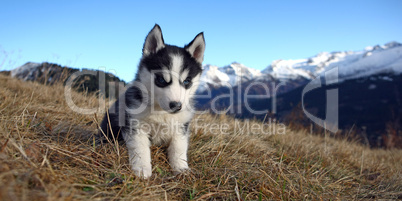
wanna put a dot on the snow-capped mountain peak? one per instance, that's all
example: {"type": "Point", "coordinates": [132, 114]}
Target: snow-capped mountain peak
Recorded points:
{"type": "Point", "coordinates": [290, 69]}
{"type": "Point", "coordinates": [212, 76]}
{"type": "Point", "coordinates": [228, 76]}
{"type": "Point", "coordinates": [239, 73]}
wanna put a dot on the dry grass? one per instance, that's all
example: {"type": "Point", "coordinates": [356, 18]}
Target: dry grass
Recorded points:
{"type": "Point", "coordinates": [47, 151]}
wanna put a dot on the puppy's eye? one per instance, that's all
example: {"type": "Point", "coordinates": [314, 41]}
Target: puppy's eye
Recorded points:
{"type": "Point", "coordinates": [186, 82]}
{"type": "Point", "coordinates": [160, 81]}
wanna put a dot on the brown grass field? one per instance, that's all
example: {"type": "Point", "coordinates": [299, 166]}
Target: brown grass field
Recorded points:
{"type": "Point", "coordinates": [49, 152]}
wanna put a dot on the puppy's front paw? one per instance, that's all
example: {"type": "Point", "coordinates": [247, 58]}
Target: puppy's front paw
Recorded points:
{"type": "Point", "coordinates": [143, 171]}
{"type": "Point", "coordinates": [183, 171]}
{"type": "Point", "coordinates": [180, 166]}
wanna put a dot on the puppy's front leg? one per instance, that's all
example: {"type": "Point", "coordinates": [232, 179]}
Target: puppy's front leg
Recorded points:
{"type": "Point", "coordinates": [177, 152]}
{"type": "Point", "coordinates": [138, 146]}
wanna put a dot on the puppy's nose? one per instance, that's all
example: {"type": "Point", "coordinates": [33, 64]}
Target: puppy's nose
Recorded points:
{"type": "Point", "coordinates": [175, 106]}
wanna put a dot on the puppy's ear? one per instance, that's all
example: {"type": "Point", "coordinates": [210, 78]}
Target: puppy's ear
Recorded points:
{"type": "Point", "coordinates": [154, 41]}
{"type": "Point", "coordinates": [197, 47]}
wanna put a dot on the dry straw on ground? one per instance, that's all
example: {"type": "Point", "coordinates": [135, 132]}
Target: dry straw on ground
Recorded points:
{"type": "Point", "coordinates": [48, 152]}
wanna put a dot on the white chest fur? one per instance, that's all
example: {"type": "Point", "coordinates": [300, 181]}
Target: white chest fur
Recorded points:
{"type": "Point", "coordinates": [161, 128]}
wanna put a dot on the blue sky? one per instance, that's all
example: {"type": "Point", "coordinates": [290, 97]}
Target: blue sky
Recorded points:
{"type": "Point", "coordinates": [110, 34]}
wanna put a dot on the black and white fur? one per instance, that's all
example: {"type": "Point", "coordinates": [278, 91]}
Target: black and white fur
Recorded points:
{"type": "Point", "coordinates": [157, 106]}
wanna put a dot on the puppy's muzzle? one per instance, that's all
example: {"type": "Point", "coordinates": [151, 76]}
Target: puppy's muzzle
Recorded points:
{"type": "Point", "coordinates": [175, 106]}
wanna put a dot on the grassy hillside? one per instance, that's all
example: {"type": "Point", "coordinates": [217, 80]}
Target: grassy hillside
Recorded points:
{"type": "Point", "coordinates": [47, 151]}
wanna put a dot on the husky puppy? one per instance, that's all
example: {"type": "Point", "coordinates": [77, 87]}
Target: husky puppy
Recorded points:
{"type": "Point", "coordinates": [157, 106]}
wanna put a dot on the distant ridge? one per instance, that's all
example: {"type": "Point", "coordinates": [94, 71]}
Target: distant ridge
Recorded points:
{"type": "Point", "coordinates": [49, 73]}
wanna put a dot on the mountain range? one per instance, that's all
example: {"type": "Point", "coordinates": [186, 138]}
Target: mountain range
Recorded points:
{"type": "Point", "coordinates": [350, 64]}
